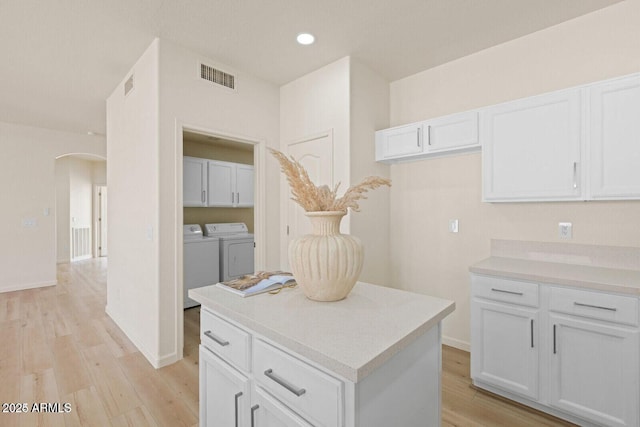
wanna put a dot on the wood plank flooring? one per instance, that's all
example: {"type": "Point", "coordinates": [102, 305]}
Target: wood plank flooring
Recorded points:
{"type": "Point", "coordinates": [58, 345]}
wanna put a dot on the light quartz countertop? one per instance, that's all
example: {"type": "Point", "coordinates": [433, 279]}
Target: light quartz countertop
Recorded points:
{"type": "Point", "coordinates": [351, 337]}
{"type": "Point", "coordinates": [608, 269]}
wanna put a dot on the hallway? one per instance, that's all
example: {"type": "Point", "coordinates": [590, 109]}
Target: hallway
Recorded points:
{"type": "Point", "coordinates": [59, 346]}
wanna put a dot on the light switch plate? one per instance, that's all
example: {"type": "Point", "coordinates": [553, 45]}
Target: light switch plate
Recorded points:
{"type": "Point", "coordinates": [453, 226]}
{"type": "Point", "coordinates": [565, 230]}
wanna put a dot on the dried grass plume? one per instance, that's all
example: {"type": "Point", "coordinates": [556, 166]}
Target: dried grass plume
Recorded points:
{"type": "Point", "coordinates": [314, 198]}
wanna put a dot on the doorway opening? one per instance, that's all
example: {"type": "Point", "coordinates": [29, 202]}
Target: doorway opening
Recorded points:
{"type": "Point", "coordinates": [221, 180]}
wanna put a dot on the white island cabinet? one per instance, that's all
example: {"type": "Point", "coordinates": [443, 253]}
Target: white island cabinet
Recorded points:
{"type": "Point", "coordinates": [372, 359]}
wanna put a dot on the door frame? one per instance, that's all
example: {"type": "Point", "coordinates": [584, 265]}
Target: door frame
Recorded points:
{"type": "Point", "coordinates": [98, 238]}
{"type": "Point", "coordinates": [259, 210]}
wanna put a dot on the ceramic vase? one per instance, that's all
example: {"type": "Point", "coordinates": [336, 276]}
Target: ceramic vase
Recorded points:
{"type": "Point", "coordinates": [326, 264]}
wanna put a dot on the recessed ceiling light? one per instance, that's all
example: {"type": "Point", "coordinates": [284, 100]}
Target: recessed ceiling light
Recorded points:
{"type": "Point", "coordinates": [305, 38]}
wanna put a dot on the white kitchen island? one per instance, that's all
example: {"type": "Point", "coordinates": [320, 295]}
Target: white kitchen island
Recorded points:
{"type": "Point", "coordinates": [372, 359]}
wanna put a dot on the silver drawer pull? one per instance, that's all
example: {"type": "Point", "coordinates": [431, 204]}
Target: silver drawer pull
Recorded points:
{"type": "Point", "coordinates": [507, 292]}
{"type": "Point", "coordinates": [238, 395]}
{"type": "Point", "coordinates": [595, 306]}
{"type": "Point", "coordinates": [284, 383]}
{"type": "Point", "coordinates": [216, 339]}
{"type": "Point", "coordinates": [254, 408]}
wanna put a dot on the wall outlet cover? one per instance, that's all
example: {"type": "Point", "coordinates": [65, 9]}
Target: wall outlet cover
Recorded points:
{"type": "Point", "coordinates": [453, 226]}
{"type": "Point", "coordinates": [565, 230]}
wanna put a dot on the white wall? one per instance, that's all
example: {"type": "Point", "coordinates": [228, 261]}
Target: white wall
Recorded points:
{"type": "Point", "coordinates": [145, 184]}
{"type": "Point", "coordinates": [80, 192]}
{"type": "Point", "coordinates": [352, 100]}
{"type": "Point", "coordinates": [424, 256]}
{"type": "Point", "coordinates": [63, 230]}
{"type": "Point", "coordinates": [132, 170]}
{"type": "Point", "coordinates": [27, 169]}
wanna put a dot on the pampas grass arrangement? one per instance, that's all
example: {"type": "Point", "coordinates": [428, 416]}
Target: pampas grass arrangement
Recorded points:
{"type": "Point", "coordinates": [315, 198]}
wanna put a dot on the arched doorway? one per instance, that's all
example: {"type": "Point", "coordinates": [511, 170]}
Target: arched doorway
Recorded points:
{"type": "Point", "coordinates": [80, 209]}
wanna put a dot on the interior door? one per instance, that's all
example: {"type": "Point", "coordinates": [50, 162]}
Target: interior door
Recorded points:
{"type": "Point", "coordinates": [316, 155]}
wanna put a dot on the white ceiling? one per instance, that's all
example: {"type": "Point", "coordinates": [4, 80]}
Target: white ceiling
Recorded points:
{"type": "Point", "coordinates": [62, 58]}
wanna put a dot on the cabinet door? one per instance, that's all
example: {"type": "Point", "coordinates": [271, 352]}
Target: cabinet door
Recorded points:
{"type": "Point", "coordinates": [399, 142]}
{"type": "Point", "coordinates": [194, 182]}
{"type": "Point", "coordinates": [221, 184]}
{"type": "Point", "coordinates": [615, 139]}
{"type": "Point", "coordinates": [224, 393]}
{"type": "Point", "coordinates": [504, 347]}
{"type": "Point", "coordinates": [457, 131]}
{"type": "Point", "coordinates": [244, 185]}
{"type": "Point", "coordinates": [594, 371]}
{"type": "Point", "coordinates": [531, 149]}
{"type": "Point", "coordinates": [266, 411]}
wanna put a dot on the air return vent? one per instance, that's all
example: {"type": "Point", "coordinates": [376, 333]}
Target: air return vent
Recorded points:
{"type": "Point", "coordinates": [128, 85]}
{"type": "Point", "coordinates": [216, 76]}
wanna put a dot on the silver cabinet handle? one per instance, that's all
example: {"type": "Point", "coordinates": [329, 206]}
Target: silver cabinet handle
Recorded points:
{"type": "Point", "coordinates": [507, 292]}
{"type": "Point", "coordinates": [232, 197]}
{"type": "Point", "coordinates": [429, 135]}
{"type": "Point", "coordinates": [595, 306]}
{"type": "Point", "coordinates": [418, 136]}
{"type": "Point", "coordinates": [284, 383]}
{"type": "Point", "coordinates": [236, 398]}
{"type": "Point", "coordinates": [531, 333]}
{"type": "Point", "coordinates": [575, 175]}
{"type": "Point", "coordinates": [254, 408]}
{"type": "Point", "coordinates": [238, 198]}
{"type": "Point", "coordinates": [554, 340]}
{"type": "Point", "coordinates": [204, 197]}
{"type": "Point", "coordinates": [216, 339]}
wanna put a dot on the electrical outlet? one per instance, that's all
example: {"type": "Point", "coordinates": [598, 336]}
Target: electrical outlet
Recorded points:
{"type": "Point", "coordinates": [565, 230]}
{"type": "Point", "coordinates": [453, 226]}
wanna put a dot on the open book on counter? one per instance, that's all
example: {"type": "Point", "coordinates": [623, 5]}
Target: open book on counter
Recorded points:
{"type": "Point", "coordinates": [262, 281]}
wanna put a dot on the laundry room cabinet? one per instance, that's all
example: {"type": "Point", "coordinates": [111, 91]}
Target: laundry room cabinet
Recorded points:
{"type": "Point", "coordinates": [216, 183]}
{"type": "Point", "coordinates": [194, 183]}
{"type": "Point", "coordinates": [230, 184]}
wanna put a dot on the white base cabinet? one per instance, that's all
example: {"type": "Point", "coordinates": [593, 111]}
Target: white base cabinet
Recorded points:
{"type": "Point", "coordinates": [249, 381]}
{"type": "Point", "coordinates": [567, 351]}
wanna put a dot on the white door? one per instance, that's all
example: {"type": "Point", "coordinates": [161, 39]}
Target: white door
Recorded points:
{"type": "Point", "coordinates": [316, 155]}
{"type": "Point", "coordinates": [594, 371]}
{"type": "Point", "coordinates": [244, 185]}
{"type": "Point", "coordinates": [268, 412]}
{"type": "Point", "coordinates": [531, 148]}
{"type": "Point", "coordinates": [222, 181]}
{"type": "Point", "coordinates": [194, 181]}
{"type": "Point", "coordinates": [102, 221]}
{"type": "Point", "coordinates": [505, 347]}
{"type": "Point", "coordinates": [224, 393]}
{"type": "Point", "coordinates": [615, 139]}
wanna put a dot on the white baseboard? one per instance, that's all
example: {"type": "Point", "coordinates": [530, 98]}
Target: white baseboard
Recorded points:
{"type": "Point", "coordinates": [63, 261]}
{"type": "Point", "coordinates": [156, 361]}
{"type": "Point", "coordinates": [28, 286]}
{"type": "Point", "coordinates": [456, 343]}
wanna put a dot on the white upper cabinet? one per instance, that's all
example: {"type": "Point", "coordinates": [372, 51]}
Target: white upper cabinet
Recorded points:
{"type": "Point", "coordinates": [433, 137]}
{"type": "Point", "coordinates": [615, 139]}
{"type": "Point", "coordinates": [194, 183]}
{"type": "Point", "coordinates": [532, 147]}
{"type": "Point", "coordinates": [230, 184]}
{"type": "Point", "coordinates": [454, 132]}
{"type": "Point", "coordinates": [399, 142]}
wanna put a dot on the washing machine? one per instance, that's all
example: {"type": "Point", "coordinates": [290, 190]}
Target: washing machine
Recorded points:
{"type": "Point", "coordinates": [236, 249]}
{"type": "Point", "coordinates": [201, 261]}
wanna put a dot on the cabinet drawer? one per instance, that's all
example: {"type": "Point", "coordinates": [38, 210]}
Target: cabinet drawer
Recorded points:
{"type": "Point", "coordinates": [506, 290]}
{"type": "Point", "coordinates": [226, 340]}
{"type": "Point", "coordinates": [310, 392]}
{"type": "Point", "coordinates": [595, 305]}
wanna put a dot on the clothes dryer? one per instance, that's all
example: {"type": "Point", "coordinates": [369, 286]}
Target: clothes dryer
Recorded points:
{"type": "Point", "coordinates": [237, 249]}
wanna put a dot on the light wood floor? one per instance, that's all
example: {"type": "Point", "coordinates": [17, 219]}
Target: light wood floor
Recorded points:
{"type": "Point", "coordinates": [58, 345]}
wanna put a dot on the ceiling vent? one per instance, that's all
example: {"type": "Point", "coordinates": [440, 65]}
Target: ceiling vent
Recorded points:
{"type": "Point", "coordinates": [128, 85]}
{"type": "Point", "coordinates": [216, 76]}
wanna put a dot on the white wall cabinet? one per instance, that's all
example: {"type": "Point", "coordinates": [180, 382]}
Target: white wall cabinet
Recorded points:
{"type": "Point", "coordinates": [532, 147]}
{"type": "Point", "coordinates": [581, 362]}
{"type": "Point", "coordinates": [615, 139]}
{"type": "Point", "coordinates": [438, 136]}
{"type": "Point", "coordinates": [230, 184]}
{"type": "Point", "coordinates": [194, 183]}
{"type": "Point", "coordinates": [399, 142]}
